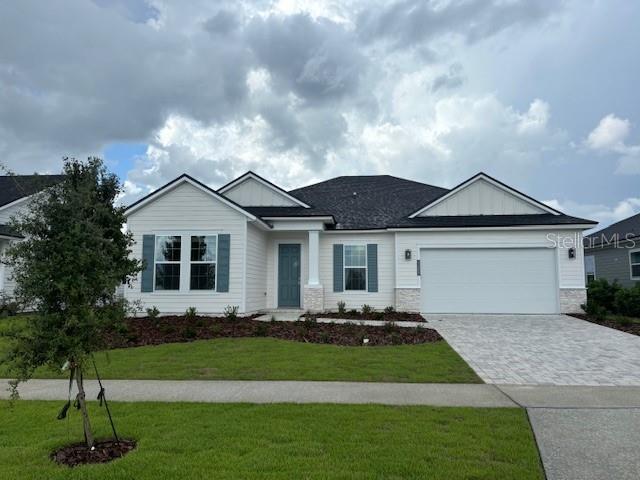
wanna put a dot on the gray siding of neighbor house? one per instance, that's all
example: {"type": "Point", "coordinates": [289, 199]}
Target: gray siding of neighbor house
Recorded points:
{"type": "Point", "coordinates": [613, 263]}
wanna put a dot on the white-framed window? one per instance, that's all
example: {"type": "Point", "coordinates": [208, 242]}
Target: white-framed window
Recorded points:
{"type": "Point", "coordinates": [167, 262]}
{"type": "Point", "coordinates": [634, 264]}
{"type": "Point", "coordinates": [590, 268]}
{"type": "Point", "coordinates": [355, 268]}
{"type": "Point", "coordinates": [204, 258]}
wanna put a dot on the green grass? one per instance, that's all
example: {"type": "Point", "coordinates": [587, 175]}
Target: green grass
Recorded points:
{"type": "Point", "coordinates": [282, 441]}
{"type": "Point", "coordinates": [273, 359]}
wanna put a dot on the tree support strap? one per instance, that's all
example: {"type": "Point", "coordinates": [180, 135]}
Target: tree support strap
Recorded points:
{"type": "Point", "coordinates": [102, 397]}
{"type": "Point", "coordinates": [65, 408]}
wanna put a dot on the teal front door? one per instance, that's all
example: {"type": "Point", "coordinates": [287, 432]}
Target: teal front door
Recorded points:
{"type": "Point", "coordinates": [288, 275]}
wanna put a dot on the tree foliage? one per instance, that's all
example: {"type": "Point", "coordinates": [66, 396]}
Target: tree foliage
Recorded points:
{"type": "Point", "coordinates": [73, 256]}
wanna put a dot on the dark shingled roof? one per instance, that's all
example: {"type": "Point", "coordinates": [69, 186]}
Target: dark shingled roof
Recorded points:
{"type": "Point", "coordinates": [627, 228]}
{"type": "Point", "coordinates": [384, 201]}
{"type": "Point", "coordinates": [15, 187]}
{"type": "Point", "coordinates": [367, 202]}
{"type": "Point", "coordinates": [7, 231]}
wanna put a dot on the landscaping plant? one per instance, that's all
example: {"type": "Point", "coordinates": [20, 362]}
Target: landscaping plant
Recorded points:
{"type": "Point", "coordinates": [73, 256]}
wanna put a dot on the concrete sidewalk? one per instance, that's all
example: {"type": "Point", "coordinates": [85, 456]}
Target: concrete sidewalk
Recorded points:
{"type": "Point", "coordinates": [455, 395]}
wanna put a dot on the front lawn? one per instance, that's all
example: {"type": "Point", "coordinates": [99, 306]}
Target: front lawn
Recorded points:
{"type": "Point", "coordinates": [281, 441]}
{"type": "Point", "coordinates": [273, 359]}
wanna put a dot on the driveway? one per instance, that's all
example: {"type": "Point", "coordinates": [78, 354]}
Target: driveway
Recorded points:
{"type": "Point", "coordinates": [542, 349]}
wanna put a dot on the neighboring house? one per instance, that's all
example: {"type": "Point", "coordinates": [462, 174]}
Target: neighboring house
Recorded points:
{"type": "Point", "coordinates": [481, 247]}
{"type": "Point", "coordinates": [16, 192]}
{"type": "Point", "coordinates": [614, 252]}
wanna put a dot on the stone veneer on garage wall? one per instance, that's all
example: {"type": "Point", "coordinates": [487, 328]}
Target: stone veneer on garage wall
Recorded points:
{"type": "Point", "coordinates": [408, 299]}
{"type": "Point", "coordinates": [571, 299]}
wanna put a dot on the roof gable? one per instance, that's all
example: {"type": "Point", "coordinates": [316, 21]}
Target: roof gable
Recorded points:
{"type": "Point", "coordinates": [182, 179]}
{"type": "Point", "coordinates": [251, 190]}
{"type": "Point", "coordinates": [483, 195]}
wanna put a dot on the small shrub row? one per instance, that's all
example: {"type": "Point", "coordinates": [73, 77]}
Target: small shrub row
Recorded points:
{"type": "Point", "coordinates": [604, 298]}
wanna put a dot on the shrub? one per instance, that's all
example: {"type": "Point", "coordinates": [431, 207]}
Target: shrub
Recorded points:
{"type": "Point", "coordinates": [396, 338]}
{"type": "Point", "coordinates": [153, 312]}
{"type": "Point", "coordinates": [378, 316]}
{"type": "Point", "coordinates": [189, 333]}
{"type": "Point", "coordinates": [342, 307]}
{"type": "Point", "coordinates": [191, 313]}
{"type": "Point", "coordinates": [324, 337]}
{"type": "Point", "coordinates": [627, 301]}
{"type": "Point", "coordinates": [310, 321]}
{"type": "Point", "coordinates": [601, 296]}
{"type": "Point", "coordinates": [262, 330]}
{"type": "Point", "coordinates": [353, 312]}
{"type": "Point", "coordinates": [231, 312]}
{"type": "Point", "coordinates": [273, 319]}
{"type": "Point", "coordinates": [8, 306]}
{"type": "Point", "coordinates": [389, 309]}
{"type": "Point", "coordinates": [366, 309]}
{"type": "Point", "coordinates": [390, 327]}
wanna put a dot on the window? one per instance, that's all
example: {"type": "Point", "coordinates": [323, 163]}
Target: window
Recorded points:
{"type": "Point", "coordinates": [634, 261]}
{"type": "Point", "coordinates": [355, 267]}
{"type": "Point", "coordinates": [203, 262]}
{"type": "Point", "coordinates": [167, 262]}
{"type": "Point", "coordinates": [590, 268]}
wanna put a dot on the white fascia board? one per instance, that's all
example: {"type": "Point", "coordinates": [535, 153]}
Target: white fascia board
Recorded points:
{"type": "Point", "coordinates": [300, 219]}
{"type": "Point", "coordinates": [262, 182]}
{"type": "Point", "coordinates": [484, 177]}
{"type": "Point", "coordinates": [16, 202]}
{"type": "Point", "coordinates": [476, 229]}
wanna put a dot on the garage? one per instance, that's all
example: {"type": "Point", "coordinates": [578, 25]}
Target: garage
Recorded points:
{"type": "Point", "coordinates": [488, 280]}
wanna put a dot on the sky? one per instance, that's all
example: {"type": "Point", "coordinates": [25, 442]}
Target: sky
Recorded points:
{"type": "Point", "coordinates": [542, 95]}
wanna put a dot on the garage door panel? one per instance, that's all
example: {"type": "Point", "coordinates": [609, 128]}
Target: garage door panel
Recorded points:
{"type": "Point", "coordinates": [488, 281]}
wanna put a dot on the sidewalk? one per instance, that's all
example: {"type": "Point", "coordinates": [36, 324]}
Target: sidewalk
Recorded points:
{"type": "Point", "coordinates": [458, 395]}
{"type": "Point", "coordinates": [435, 394]}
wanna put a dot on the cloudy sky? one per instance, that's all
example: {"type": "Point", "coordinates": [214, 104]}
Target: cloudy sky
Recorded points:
{"type": "Point", "coordinates": [540, 94]}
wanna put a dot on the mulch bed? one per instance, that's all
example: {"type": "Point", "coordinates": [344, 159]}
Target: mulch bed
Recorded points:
{"type": "Point", "coordinates": [141, 331]}
{"type": "Point", "coordinates": [632, 328]}
{"type": "Point", "coordinates": [387, 317]}
{"type": "Point", "coordinates": [79, 454]}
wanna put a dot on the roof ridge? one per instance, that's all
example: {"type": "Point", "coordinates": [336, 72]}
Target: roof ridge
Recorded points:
{"type": "Point", "coordinates": [614, 224]}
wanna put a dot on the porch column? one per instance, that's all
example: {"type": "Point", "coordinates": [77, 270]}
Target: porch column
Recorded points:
{"type": "Point", "coordinates": [313, 291]}
{"type": "Point", "coordinates": [314, 257]}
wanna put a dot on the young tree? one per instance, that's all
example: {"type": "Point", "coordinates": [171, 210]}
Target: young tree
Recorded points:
{"type": "Point", "coordinates": [73, 256]}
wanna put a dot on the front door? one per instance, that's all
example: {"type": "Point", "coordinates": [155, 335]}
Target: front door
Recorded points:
{"type": "Point", "coordinates": [288, 275]}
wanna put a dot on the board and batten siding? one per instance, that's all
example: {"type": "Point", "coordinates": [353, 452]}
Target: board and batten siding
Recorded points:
{"type": "Point", "coordinates": [252, 193]}
{"type": "Point", "coordinates": [482, 198]}
{"type": "Point", "coordinates": [570, 270]}
{"type": "Point", "coordinates": [385, 295]}
{"type": "Point", "coordinates": [182, 210]}
{"type": "Point", "coordinates": [256, 269]}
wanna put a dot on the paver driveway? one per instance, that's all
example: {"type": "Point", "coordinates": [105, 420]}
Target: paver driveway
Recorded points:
{"type": "Point", "coordinates": [542, 349]}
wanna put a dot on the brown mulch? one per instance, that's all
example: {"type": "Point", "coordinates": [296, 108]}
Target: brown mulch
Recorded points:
{"type": "Point", "coordinates": [632, 328]}
{"type": "Point", "coordinates": [170, 329]}
{"type": "Point", "coordinates": [387, 317]}
{"type": "Point", "coordinates": [79, 454]}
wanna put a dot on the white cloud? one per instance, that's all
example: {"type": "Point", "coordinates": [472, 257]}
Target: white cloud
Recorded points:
{"type": "Point", "coordinates": [609, 134]}
{"type": "Point", "coordinates": [603, 214]}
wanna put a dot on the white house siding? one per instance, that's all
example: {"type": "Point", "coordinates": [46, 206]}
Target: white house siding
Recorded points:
{"type": "Point", "coordinates": [180, 211]}
{"type": "Point", "coordinates": [256, 269]}
{"type": "Point", "coordinates": [275, 238]}
{"type": "Point", "coordinates": [15, 209]}
{"type": "Point", "coordinates": [482, 198]}
{"type": "Point", "coordinates": [385, 295]}
{"type": "Point", "coordinates": [252, 193]}
{"type": "Point", "coordinates": [7, 283]}
{"type": "Point", "coordinates": [570, 270]}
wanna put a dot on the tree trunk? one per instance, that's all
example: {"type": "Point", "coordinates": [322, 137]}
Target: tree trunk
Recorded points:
{"type": "Point", "coordinates": [88, 434]}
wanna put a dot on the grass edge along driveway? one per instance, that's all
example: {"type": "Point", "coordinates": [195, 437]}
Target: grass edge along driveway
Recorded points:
{"type": "Point", "coordinates": [274, 359]}
{"type": "Point", "coordinates": [277, 441]}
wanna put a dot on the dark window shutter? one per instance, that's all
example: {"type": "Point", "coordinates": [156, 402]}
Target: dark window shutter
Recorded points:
{"type": "Point", "coordinates": [372, 267]}
{"type": "Point", "coordinates": [338, 268]}
{"type": "Point", "coordinates": [148, 252]}
{"type": "Point", "coordinates": [224, 243]}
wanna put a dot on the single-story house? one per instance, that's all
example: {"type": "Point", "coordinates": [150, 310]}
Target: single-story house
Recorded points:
{"type": "Point", "coordinates": [16, 192]}
{"type": "Point", "coordinates": [614, 252]}
{"type": "Point", "coordinates": [481, 247]}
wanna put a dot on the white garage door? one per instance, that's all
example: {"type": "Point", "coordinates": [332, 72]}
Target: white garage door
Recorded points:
{"type": "Point", "coordinates": [488, 280]}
